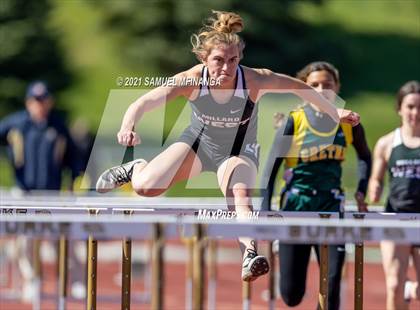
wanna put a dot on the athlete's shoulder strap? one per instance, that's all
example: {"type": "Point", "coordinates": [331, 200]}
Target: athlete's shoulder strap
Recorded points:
{"type": "Point", "coordinates": [204, 89]}
{"type": "Point", "coordinates": [348, 133]}
{"type": "Point", "coordinates": [397, 138]}
{"type": "Point", "coordinates": [299, 119]}
{"type": "Point", "coordinates": [240, 90]}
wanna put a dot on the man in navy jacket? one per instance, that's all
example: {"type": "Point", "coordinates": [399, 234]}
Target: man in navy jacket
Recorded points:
{"type": "Point", "coordinates": [39, 143]}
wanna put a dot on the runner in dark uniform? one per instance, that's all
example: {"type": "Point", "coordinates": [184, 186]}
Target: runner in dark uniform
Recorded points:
{"type": "Point", "coordinates": [312, 176]}
{"type": "Point", "coordinates": [404, 176]}
{"type": "Point", "coordinates": [399, 153]}
{"type": "Point", "coordinates": [221, 137]}
{"type": "Point", "coordinates": [219, 131]}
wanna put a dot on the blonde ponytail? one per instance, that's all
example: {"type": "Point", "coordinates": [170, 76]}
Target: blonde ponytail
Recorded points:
{"type": "Point", "coordinates": [221, 29]}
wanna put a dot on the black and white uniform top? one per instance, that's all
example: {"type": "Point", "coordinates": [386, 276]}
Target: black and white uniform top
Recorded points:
{"type": "Point", "coordinates": [404, 177]}
{"type": "Point", "coordinates": [219, 131]}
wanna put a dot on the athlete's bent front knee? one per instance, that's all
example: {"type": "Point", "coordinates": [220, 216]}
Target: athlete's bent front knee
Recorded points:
{"type": "Point", "coordinates": [144, 187]}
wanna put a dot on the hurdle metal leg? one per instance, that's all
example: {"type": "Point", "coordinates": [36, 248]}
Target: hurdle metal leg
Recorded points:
{"type": "Point", "coordinates": [358, 277]}
{"type": "Point", "coordinates": [198, 274]}
{"type": "Point", "coordinates": [358, 270]}
{"type": "Point", "coordinates": [323, 271]}
{"type": "Point", "coordinates": [271, 278]}
{"type": "Point", "coordinates": [323, 277]}
{"type": "Point", "coordinates": [157, 268]}
{"type": "Point", "coordinates": [211, 296]}
{"type": "Point", "coordinates": [92, 259]}
{"type": "Point", "coordinates": [126, 274]}
{"type": "Point", "coordinates": [62, 272]}
{"type": "Point", "coordinates": [37, 275]}
{"type": "Point", "coordinates": [246, 295]}
{"type": "Point", "coordinates": [189, 274]}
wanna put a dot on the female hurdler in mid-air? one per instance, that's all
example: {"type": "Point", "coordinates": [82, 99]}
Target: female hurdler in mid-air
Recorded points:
{"type": "Point", "coordinates": [222, 135]}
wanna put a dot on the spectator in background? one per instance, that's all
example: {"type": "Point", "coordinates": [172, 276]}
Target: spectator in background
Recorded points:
{"type": "Point", "coordinates": [40, 146]}
{"type": "Point", "coordinates": [39, 149]}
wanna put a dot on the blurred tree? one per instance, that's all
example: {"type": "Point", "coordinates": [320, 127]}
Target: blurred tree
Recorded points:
{"type": "Point", "coordinates": [28, 51]}
{"type": "Point", "coordinates": [155, 35]}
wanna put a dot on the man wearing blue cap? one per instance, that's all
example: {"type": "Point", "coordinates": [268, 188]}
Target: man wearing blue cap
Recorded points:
{"type": "Point", "coordinates": [40, 146]}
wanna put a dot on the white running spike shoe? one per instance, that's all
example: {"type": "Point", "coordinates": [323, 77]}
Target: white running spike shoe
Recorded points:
{"type": "Point", "coordinates": [116, 176]}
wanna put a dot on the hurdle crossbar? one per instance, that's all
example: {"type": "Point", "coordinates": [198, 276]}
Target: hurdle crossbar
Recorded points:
{"type": "Point", "coordinates": [110, 222]}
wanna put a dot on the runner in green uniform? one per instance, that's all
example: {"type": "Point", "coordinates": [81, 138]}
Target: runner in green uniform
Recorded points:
{"type": "Point", "coordinates": [399, 153]}
{"type": "Point", "coordinates": [312, 177]}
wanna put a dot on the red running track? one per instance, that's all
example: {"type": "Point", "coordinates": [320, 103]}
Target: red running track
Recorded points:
{"type": "Point", "coordinates": [228, 289]}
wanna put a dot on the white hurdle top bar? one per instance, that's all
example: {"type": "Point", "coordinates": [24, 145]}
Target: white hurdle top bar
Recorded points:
{"type": "Point", "coordinates": [292, 230]}
{"type": "Point", "coordinates": [53, 215]}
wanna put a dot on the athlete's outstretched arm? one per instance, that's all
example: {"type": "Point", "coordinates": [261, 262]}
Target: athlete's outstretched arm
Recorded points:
{"type": "Point", "coordinates": [271, 82]}
{"type": "Point", "coordinates": [378, 170]}
{"type": "Point", "coordinates": [364, 159]}
{"type": "Point", "coordinates": [149, 101]}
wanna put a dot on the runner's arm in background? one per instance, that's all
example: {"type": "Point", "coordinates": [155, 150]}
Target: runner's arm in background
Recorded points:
{"type": "Point", "coordinates": [378, 170]}
{"type": "Point", "coordinates": [364, 161]}
{"type": "Point", "coordinates": [269, 81]}
{"type": "Point", "coordinates": [279, 148]}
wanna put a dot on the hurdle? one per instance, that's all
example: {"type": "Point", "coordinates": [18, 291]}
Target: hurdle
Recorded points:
{"type": "Point", "coordinates": [91, 273]}
{"type": "Point", "coordinates": [358, 271]}
{"type": "Point", "coordinates": [271, 277]}
{"type": "Point", "coordinates": [126, 274]}
{"type": "Point", "coordinates": [157, 265]}
{"type": "Point", "coordinates": [323, 272]}
{"type": "Point", "coordinates": [280, 226]}
{"type": "Point", "coordinates": [37, 273]}
{"type": "Point", "coordinates": [198, 267]}
{"type": "Point", "coordinates": [62, 272]}
{"type": "Point", "coordinates": [189, 273]}
{"type": "Point", "coordinates": [212, 272]}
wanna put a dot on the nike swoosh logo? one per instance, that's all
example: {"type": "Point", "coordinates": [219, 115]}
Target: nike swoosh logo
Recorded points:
{"type": "Point", "coordinates": [234, 111]}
